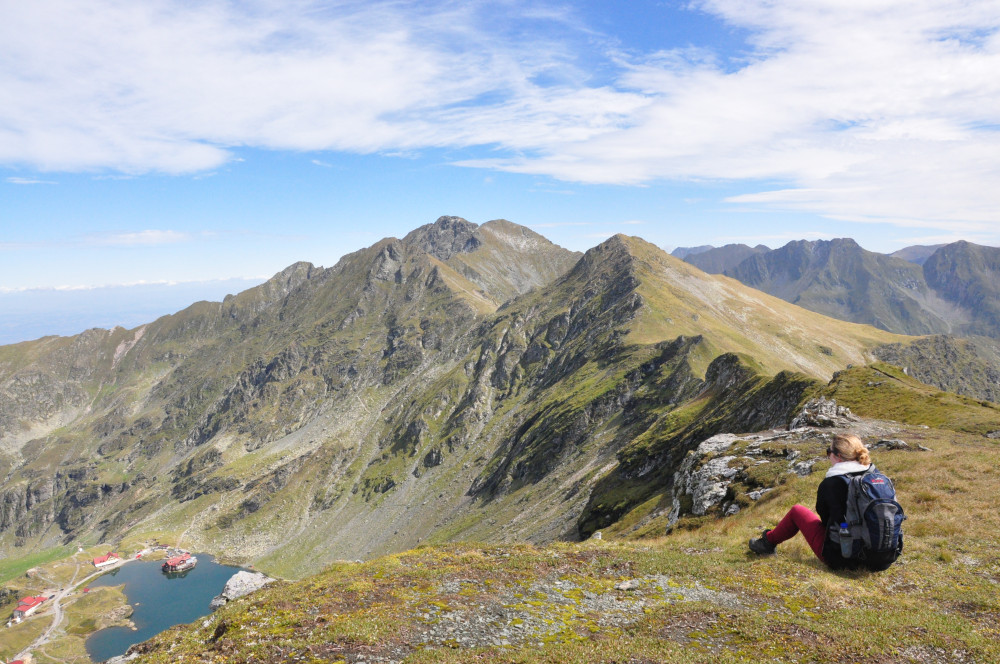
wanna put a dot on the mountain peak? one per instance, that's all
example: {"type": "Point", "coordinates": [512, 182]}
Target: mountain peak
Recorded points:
{"type": "Point", "coordinates": [918, 253]}
{"type": "Point", "coordinates": [445, 237]}
{"type": "Point", "coordinates": [614, 250]}
{"type": "Point", "coordinates": [684, 253]}
{"type": "Point", "coordinates": [255, 299]}
{"type": "Point", "coordinates": [717, 260]}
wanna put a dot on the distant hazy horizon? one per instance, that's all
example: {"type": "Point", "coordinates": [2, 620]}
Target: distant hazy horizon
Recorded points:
{"type": "Point", "coordinates": [31, 314]}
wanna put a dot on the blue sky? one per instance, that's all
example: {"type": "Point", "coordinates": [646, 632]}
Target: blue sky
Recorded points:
{"type": "Point", "coordinates": [157, 151]}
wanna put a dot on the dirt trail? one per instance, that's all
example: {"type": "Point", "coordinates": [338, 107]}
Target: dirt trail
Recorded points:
{"type": "Point", "coordinates": [57, 611]}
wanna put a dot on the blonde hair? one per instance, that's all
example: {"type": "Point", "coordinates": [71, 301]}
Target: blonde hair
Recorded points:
{"type": "Point", "coordinates": [850, 448]}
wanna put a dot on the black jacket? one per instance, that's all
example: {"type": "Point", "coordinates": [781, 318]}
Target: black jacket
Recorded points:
{"type": "Point", "coordinates": [831, 506]}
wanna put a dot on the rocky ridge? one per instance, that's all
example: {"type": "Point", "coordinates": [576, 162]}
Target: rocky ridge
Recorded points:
{"type": "Point", "coordinates": [729, 472]}
{"type": "Point", "coordinates": [941, 289]}
{"type": "Point", "coordinates": [393, 399]}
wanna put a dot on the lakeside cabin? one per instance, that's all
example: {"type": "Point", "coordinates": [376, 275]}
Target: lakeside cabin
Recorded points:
{"type": "Point", "coordinates": [107, 559]}
{"type": "Point", "coordinates": [26, 607]}
{"type": "Point", "coordinates": [180, 563]}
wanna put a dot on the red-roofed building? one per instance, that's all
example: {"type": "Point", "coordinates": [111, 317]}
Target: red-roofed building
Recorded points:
{"type": "Point", "coordinates": [181, 563]}
{"type": "Point", "coordinates": [105, 560]}
{"type": "Point", "coordinates": [27, 606]}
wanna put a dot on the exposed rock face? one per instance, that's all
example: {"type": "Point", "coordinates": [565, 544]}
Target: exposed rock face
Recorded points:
{"type": "Point", "coordinates": [445, 237]}
{"type": "Point", "coordinates": [707, 482]}
{"type": "Point", "coordinates": [840, 279]}
{"type": "Point", "coordinates": [242, 583]}
{"type": "Point", "coordinates": [727, 472]}
{"type": "Point", "coordinates": [970, 367]}
{"type": "Point", "coordinates": [741, 400]}
{"type": "Point", "coordinates": [969, 275]}
{"type": "Point", "coordinates": [949, 289]}
{"type": "Point", "coordinates": [823, 412]}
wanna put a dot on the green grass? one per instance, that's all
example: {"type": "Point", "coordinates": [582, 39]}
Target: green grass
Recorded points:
{"type": "Point", "coordinates": [89, 611]}
{"type": "Point", "coordinates": [20, 636]}
{"type": "Point", "coordinates": [11, 568]}
{"type": "Point", "coordinates": [884, 391]}
{"type": "Point", "coordinates": [720, 603]}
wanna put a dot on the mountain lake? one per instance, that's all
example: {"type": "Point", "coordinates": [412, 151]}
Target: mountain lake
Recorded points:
{"type": "Point", "coordinates": [158, 600]}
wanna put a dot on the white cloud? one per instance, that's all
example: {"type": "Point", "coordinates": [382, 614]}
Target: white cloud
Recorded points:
{"type": "Point", "coordinates": [175, 87]}
{"type": "Point", "coordinates": [881, 111]}
{"type": "Point", "coordinates": [17, 180]}
{"type": "Point", "coordinates": [138, 238]}
{"type": "Point", "coordinates": [238, 281]}
{"type": "Point", "coordinates": [884, 111]}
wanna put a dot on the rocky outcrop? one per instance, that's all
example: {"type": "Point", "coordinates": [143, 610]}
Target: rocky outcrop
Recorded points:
{"type": "Point", "coordinates": [729, 472]}
{"type": "Point", "coordinates": [823, 412]}
{"type": "Point", "coordinates": [240, 584]}
{"type": "Point", "coordinates": [445, 237]}
{"type": "Point", "coordinates": [970, 367]}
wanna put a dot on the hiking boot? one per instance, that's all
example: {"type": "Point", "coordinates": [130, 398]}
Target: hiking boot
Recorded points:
{"type": "Point", "coordinates": [761, 546]}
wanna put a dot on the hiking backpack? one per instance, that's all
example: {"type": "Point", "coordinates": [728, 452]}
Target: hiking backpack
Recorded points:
{"type": "Point", "coordinates": [874, 518]}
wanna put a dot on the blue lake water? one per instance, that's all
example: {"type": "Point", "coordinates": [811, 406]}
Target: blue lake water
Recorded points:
{"type": "Point", "coordinates": [158, 601]}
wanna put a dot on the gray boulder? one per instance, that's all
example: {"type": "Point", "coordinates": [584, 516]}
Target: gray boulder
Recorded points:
{"type": "Point", "coordinates": [122, 659]}
{"type": "Point", "coordinates": [242, 583]}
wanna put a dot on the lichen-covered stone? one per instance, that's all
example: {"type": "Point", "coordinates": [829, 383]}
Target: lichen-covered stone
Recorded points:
{"type": "Point", "coordinates": [240, 584]}
{"type": "Point", "coordinates": [823, 412]}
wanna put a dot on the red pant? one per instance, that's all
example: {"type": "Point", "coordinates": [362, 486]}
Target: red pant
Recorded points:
{"type": "Point", "coordinates": [800, 518]}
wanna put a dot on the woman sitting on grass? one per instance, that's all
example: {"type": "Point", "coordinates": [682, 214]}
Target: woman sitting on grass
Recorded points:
{"type": "Point", "coordinates": [849, 457]}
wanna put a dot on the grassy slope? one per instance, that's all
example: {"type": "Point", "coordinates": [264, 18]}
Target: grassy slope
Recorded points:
{"type": "Point", "coordinates": [18, 637]}
{"type": "Point", "coordinates": [698, 595]}
{"type": "Point", "coordinates": [99, 608]}
{"type": "Point", "coordinates": [678, 300]}
{"type": "Point", "coordinates": [682, 300]}
{"type": "Point", "coordinates": [884, 391]}
{"type": "Point", "coordinates": [713, 602]}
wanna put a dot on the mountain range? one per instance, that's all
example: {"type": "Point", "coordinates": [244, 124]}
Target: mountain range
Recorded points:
{"type": "Point", "coordinates": [942, 289]}
{"type": "Point", "coordinates": [462, 383]}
